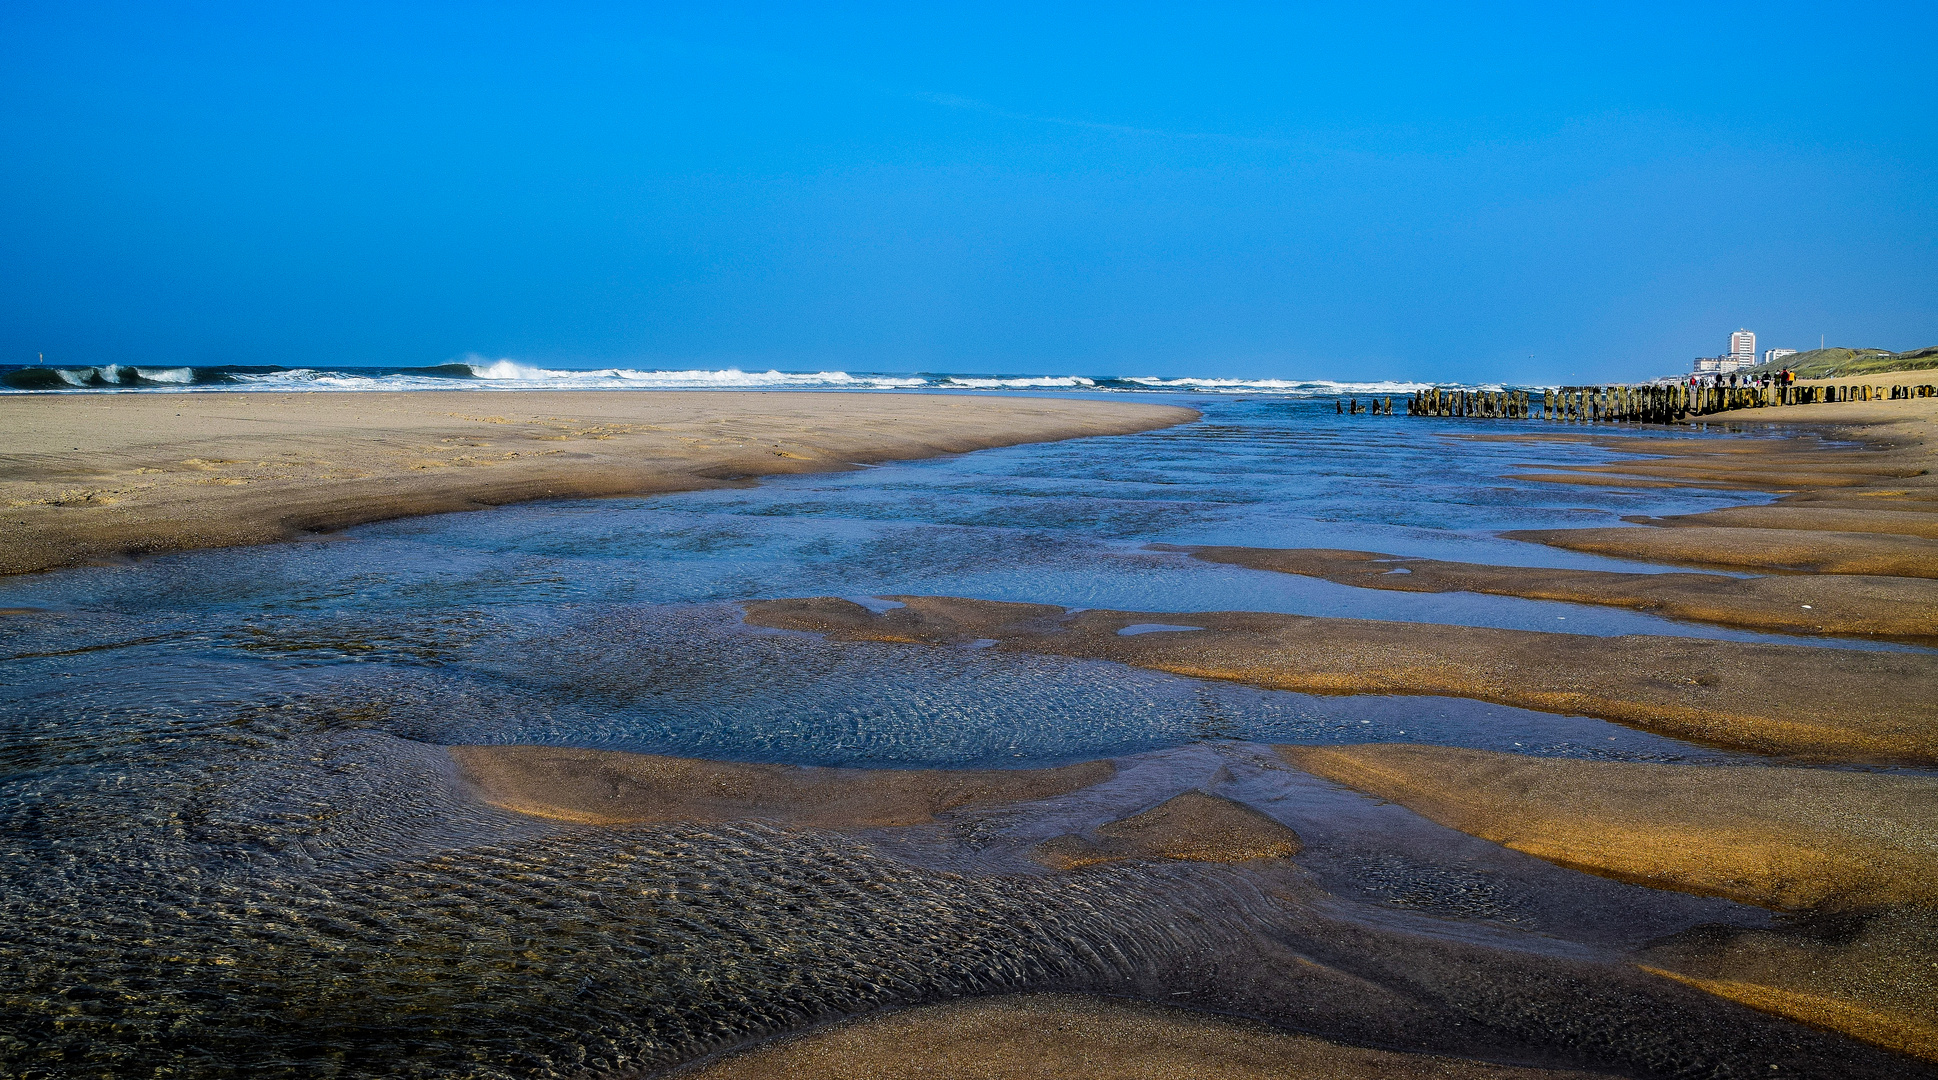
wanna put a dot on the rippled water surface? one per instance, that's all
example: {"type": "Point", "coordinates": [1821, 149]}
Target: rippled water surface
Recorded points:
{"type": "Point", "coordinates": [233, 846]}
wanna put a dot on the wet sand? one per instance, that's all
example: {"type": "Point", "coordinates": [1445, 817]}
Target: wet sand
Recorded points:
{"type": "Point", "coordinates": [1874, 978]}
{"type": "Point", "coordinates": [1799, 700]}
{"type": "Point", "coordinates": [1058, 1036]}
{"type": "Point", "coordinates": [1858, 487]}
{"type": "Point", "coordinates": [1796, 550]}
{"type": "Point", "coordinates": [94, 476]}
{"type": "Point", "coordinates": [1910, 522]}
{"type": "Point", "coordinates": [1857, 852]}
{"type": "Point", "coordinates": [1786, 838]}
{"type": "Point", "coordinates": [1903, 609]}
{"type": "Point", "coordinates": [613, 787]}
{"type": "Point", "coordinates": [1194, 827]}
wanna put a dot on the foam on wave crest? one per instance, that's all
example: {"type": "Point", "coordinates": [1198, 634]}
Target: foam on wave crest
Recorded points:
{"type": "Point", "coordinates": [1017, 382]}
{"type": "Point", "coordinates": [510, 371]}
{"type": "Point", "coordinates": [1296, 387]}
{"type": "Point", "coordinates": [482, 373]}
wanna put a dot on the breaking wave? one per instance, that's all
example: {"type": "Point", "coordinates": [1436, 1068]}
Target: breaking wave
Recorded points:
{"type": "Point", "coordinates": [478, 373]}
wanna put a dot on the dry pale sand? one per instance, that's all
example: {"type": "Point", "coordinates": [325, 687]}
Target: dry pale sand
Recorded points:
{"type": "Point", "coordinates": [1193, 826]}
{"type": "Point", "coordinates": [1784, 838]}
{"type": "Point", "coordinates": [1782, 699]}
{"type": "Point", "coordinates": [613, 787]}
{"type": "Point", "coordinates": [1900, 608]}
{"type": "Point", "coordinates": [1061, 1037]}
{"type": "Point", "coordinates": [92, 476]}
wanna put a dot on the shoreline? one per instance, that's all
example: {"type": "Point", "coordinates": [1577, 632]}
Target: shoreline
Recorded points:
{"type": "Point", "coordinates": [94, 477]}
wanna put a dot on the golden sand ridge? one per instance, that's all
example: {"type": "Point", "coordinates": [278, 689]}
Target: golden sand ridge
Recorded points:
{"type": "Point", "coordinates": [1859, 851]}
{"type": "Point", "coordinates": [1873, 978]}
{"type": "Point", "coordinates": [1858, 493]}
{"type": "Point", "coordinates": [1899, 608]}
{"type": "Point", "coordinates": [92, 476]}
{"type": "Point", "coordinates": [1059, 1036]}
{"type": "Point", "coordinates": [1788, 838]}
{"type": "Point", "coordinates": [1783, 699]}
{"type": "Point", "coordinates": [1193, 826]}
{"type": "Point", "coordinates": [1794, 550]}
{"type": "Point", "coordinates": [615, 787]}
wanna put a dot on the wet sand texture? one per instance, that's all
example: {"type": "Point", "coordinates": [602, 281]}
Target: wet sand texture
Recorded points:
{"type": "Point", "coordinates": [1864, 506]}
{"type": "Point", "coordinates": [1193, 826]}
{"type": "Point", "coordinates": [91, 476]}
{"type": "Point", "coordinates": [1874, 978]}
{"type": "Point", "coordinates": [1786, 838]}
{"type": "Point", "coordinates": [1060, 1037]}
{"type": "Point", "coordinates": [613, 787]}
{"type": "Point", "coordinates": [1921, 522]}
{"type": "Point", "coordinates": [1797, 550]}
{"type": "Point", "coordinates": [1900, 608]}
{"type": "Point", "coordinates": [1858, 851]}
{"type": "Point", "coordinates": [1780, 699]}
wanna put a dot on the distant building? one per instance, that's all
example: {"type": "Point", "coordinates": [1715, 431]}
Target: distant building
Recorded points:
{"type": "Point", "coordinates": [1741, 354]}
{"type": "Point", "coordinates": [1771, 356]}
{"type": "Point", "coordinates": [1742, 346]}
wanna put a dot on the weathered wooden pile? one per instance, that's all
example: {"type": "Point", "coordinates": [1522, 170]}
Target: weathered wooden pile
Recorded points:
{"type": "Point", "coordinates": [1649, 404]}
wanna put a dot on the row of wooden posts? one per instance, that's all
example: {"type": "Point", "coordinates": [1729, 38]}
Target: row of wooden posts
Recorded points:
{"type": "Point", "coordinates": [1649, 404]}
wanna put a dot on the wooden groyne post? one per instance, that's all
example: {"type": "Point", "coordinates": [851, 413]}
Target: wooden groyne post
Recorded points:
{"type": "Point", "coordinates": [1649, 404]}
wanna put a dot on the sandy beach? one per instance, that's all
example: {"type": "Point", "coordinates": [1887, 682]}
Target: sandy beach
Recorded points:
{"type": "Point", "coordinates": [1755, 890]}
{"type": "Point", "coordinates": [1846, 549]}
{"type": "Point", "coordinates": [96, 476]}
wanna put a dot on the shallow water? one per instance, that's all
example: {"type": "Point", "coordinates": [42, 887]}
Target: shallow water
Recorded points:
{"type": "Point", "coordinates": [233, 845]}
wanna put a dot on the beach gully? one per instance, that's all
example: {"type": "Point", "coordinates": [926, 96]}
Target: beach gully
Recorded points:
{"type": "Point", "coordinates": [1229, 734]}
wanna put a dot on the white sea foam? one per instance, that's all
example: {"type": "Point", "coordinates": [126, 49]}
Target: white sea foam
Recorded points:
{"type": "Point", "coordinates": [511, 375]}
{"type": "Point", "coordinates": [1293, 387]}
{"type": "Point", "coordinates": [510, 371]}
{"type": "Point", "coordinates": [1043, 382]}
{"type": "Point", "coordinates": [180, 376]}
{"type": "Point", "coordinates": [483, 373]}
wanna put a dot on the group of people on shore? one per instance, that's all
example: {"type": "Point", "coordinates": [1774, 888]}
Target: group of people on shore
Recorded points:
{"type": "Point", "coordinates": [1782, 378]}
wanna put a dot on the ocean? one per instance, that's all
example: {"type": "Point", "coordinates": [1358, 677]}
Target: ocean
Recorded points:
{"type": "Point", "coordinates": [479, 374]}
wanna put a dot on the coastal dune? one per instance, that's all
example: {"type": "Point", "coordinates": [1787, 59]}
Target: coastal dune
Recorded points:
{"type": "Point", "coordinates": [92, 476]}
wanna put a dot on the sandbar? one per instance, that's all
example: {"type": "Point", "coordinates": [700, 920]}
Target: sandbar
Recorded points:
{"type": "Point", "coordinates": [1838, 704]}
{"type": "Point", "coordinates": [1785, 838]}
{"type": "Point", "coordinates": [1857, 851]}
{"type": "Point", "coordinates": [615, 787]}
{"type": "Point", "coordinates": [1193, 827]}
{"type": "Point", "coordinates": [1900, 608]}
{"type": "Point", "coordinates": [1059, 1036]}
{"type": "Point", "coordinates": [86, 477]}
{"type": "Point", "coordinates": [1874, 977]}
{"type": "Point", "coordinates": [1858, 494]}
{"type": "Point", "coordinates": [1793, 550]}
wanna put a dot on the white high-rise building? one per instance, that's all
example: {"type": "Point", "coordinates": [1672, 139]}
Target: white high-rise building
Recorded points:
{"type": "Point", "coordinates": [1742, 347]}
{"type": "Point", "coordinates": [1771, 356]}
{"type": "Point", "coordinates": [1741, 354]}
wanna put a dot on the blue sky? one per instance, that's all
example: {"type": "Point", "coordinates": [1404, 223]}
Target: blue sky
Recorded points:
{"type": "Point", "coordinates": [1459, 192]}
